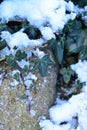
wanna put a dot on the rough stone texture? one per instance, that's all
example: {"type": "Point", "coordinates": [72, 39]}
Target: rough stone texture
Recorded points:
{"type": "Point", "coordinates": [13, 113]}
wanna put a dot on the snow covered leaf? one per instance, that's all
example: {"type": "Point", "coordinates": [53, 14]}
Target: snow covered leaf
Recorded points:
{"type": "Point", "coordinates": [42, 64]}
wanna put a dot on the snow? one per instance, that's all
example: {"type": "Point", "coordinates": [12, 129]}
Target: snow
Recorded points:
{"type": "Point", "coordinates": [32, 113]}
{"type": "Point", "coordinates": [30, 76]}
{"type": "Point", "coordinates": [38, 13]}
{"type": "Point", "coordinates": [38, 53]}
{"type": "Point", "coordinates": [82, 73]}
{"type": "Point", "coordinates": [47, 33]}
{"type": "Point", "coordinates": [49, 16]}
{"type": "Point", "coordinates": [23, 63]}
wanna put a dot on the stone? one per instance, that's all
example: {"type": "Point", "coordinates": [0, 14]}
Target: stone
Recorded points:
{"type": "Point", "coordinates": [13, 112]}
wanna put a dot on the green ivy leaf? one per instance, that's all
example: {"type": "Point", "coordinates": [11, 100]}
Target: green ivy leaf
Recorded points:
{"type": "Point", "coordinates": [42, 64]}
{"type": "Point", "coordinates": [66, 73]}
{"type": "Point", "coordinates": [32, 32]}
{"type": "Point", "coordinates": [10, 61]}
{"type": "Point", "coordinates": [2, 44]}
{"type": "Point", "coordinates": [57, 50]}
{"type": "Point", "coordinates": [17, 76]}
{"type": "Point", "coordinates": [20, 55]}
{"type": "Point", "coordinates": [25, 69]}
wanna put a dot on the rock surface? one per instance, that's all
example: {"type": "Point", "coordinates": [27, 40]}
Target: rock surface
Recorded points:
{"type": "Point", "coordinates": [13, 113]}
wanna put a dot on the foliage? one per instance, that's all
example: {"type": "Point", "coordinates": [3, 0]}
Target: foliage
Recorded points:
{"type": "Point", "coordinates": [2, 44]}
{"type": "Point", "coordinates": [17, 76]}
{"type": "Point", "coordinates": [20, 55]}
{"type": "Point", "coordinates": [67, 48]}
{"type": "Point", "coordinates": [31, 31]}
{"type": "Point", "coordinates": [10, 61]}
{"type": "Point", "coordinates": [57, 49]}
{"type": "Point", "coordinates": [80, 3]}
{"type": "Point", "coordinates": [66, 73]}
{"type": "Point", "coordinates": [42, 64]}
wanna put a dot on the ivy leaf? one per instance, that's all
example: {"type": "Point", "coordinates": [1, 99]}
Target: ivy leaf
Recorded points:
{"type": "Point", "coordinates": [10, 61]}
{"type": "Point", "coordinates": [25, 69]}
{"type": "Point", "coordinates": [32, 32]}
{"type": "Point", "coordinates": [66, 73]}
{"type": "Point", "coordinates": [20, 55]}
{"type": "Point", "coordinates": [2, 44]}
{"type": "Point", "coordinates": [57, 50]}
{"type": "Point", "coordinates": [17, 76]}
{"type": "Point", "coordinates": [42, 64]}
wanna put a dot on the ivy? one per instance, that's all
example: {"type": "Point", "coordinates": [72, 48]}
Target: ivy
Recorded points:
{"type": "Point", "coordinates": [42, 64]}
{"type": "Point", "coordinates": [11, 62]}
{"type": "Point", "coordinates": [2, 44]}
{"type": "Point", "coordinates": [17, 76]}
{"type": "Point", "coordinates": [66, 73]}
{"type": "Point", "coordinates": [31, 31]}
{"type": "Point", "coordinates": [57, 50]}
{"type": "Point", "coordinates": [20, 55]}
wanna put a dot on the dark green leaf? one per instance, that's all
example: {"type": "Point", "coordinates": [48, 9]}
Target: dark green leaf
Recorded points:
{"type": "Point", "coordinates": [10, 61]}
{"type": "Point", "coordinates": [20, 55]}
{"type": "Point", "coordinates": [80, 3]}
{"type": "Point", "coordinates": [32, 32]}
{"type": "Point", "coordinates": [25, 69]}
{"type": "Point", "coordinates": [2, 44]}
{"type": "Point", "coordinates": [42, 64]}
{"type": "Point", "coordinates": [17, 76]}
{"type": "Point", "coordinates": [59, 53]}
{"type": "Point", "coordinates": [57, 50]}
